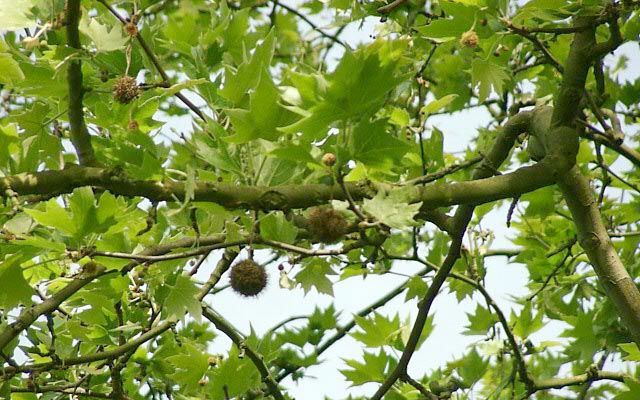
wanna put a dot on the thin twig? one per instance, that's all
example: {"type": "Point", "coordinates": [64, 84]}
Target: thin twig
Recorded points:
{"type": "Point", "coordinates": [313, 26]}
{"type": "Point", "coordinates": [154, 60]}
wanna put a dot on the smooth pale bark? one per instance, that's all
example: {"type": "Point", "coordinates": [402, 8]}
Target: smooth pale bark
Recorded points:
{"type": "Point", "coordinates": [284, 197]}
{"type": "Point", "coordinates": [592, 233]}
{"type": "Point", "coordinates": [595, 241]}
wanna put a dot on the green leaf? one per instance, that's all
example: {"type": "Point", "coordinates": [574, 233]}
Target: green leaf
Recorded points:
{"type": "Point", "coordinates": [189, 366]}
{"type": "Point", "coordinates": [471, 367]}
{"type": "Point", "coordinates": [460, 18]}
{"type": "Point", "coordinates": [314, 275]}
{"type": "Point", "coordinates": [236, 373]}
{"type": "Point", "coordinates": [54, 216]}
{"type": "Point", "coordinates": [357, 87]}
{"type": "Point", "coordinates": [400, 117]}
{"type": "Point", "coordinates": [374, 368]}
{"type": "Point", "coordinates": [438, 104]}
{"type": "Point", "coordinates": [263, 117]}
{"type": "Point", "coordinates": [480, 321]}
{"type": "Point", "coordinates": [104, 38]}
{"type": "Point", "coordinates": [488, 77]}
{"type": "Point", "coordinates": [182, 298]}
{"type": "Point", "coordinates": [585, 342]}
{"type": "Point", "coordinates": [10, 72]}
{"type": "Point", "coordinates": [392, 210]}
{"type": "Point", "coordinates": [14, 289]}
{"type": "Point", "coordinates": [377, 331]}
{"type": "Point", "coordinates": [274, 226]}
{"type": "Point", "coordinates": [15, 14]}
{"type": "Point", "coordinates": [417, 287]}
{"type": "Point", "coordinates": [634, 389]}
{"type": "Point", "coordinates": [238, 83]}
{"type": "Point", "coordinates": [433, 148]}
{"type": "Point", "coordinates": [374, 146]}
{"type": "Point", "coordinates": [633, 353]}
{"type": "Point", "coordinates": [526, 323]}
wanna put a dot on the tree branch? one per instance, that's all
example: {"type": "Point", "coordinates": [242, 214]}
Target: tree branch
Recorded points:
{"type": "Point", "coordinates": [118, 351]}
{"type": "Point", "coordinates": [344, 329]}
{"type": "Point", "coordinates": [155, 61]}
{"type": "Point", "coordinates": [313, 26]}
{"type": "Point", "coordinates": [496, 156]}
{"type": "Point", "coordinates": [256, 358]}
{"type": "Point", "coordinates": [284, 197]}
{"type": "Point", "coordinates": [80, 136]}
{"type": "Point", "coordinates": [592, 233]}
{"type": "Point", "coordinates": [28, 316]}
{"type": "Point", "coordinates": [559, 383]}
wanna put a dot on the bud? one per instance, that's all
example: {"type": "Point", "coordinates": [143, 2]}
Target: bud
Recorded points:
{"type": "Point", "coordinates": [30, 43]}
{"type": "Point", "coordinates": [469, 39]}
{"type": "Point", "coordinates": [329, 159]}
{"type": "Point", "coordinates": [133, 125]}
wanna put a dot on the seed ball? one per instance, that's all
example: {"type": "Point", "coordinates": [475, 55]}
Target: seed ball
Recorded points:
{"type": "Point", "coordinates": [125, 89]}
{"type": "Point", "coordinates": [329, 159]}
{"type": "Point", "coordinates": [248, 278]}
{"type": "Point", "coordinates": [469, 39]}
{"type": "Point", "coordinates": [326, 224]}
{"type": "Point", "coordinates": [131, 29]}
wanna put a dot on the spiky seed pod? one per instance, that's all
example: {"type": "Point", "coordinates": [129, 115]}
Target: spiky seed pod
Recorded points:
{"type": "Point", "coordinates": [125, 89]}
{"type": "Point", "coordinates": [329, 159]}
{"type": "Point", "coordinates": [469, 39]}
{"type": "Point", "coordinates": [248, 278]}
{"type": "Point", "coordinates": [326, 224]}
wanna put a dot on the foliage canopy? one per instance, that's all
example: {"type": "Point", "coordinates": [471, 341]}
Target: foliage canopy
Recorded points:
{"type": "Point", "coordinates": [147, 147]}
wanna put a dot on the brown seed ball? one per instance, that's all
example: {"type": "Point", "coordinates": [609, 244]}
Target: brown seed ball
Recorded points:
{"type": "Point", "coordinates": [131, 29]}
{"type": "Point", "coordinates": [248, 278]}
{"type": "Point", "coordinates": [125, 89]}
{"type": "Point", "coordinates": [469, 39]}
{"type": "Point", "coordinates": [329, 159]}
{"type": "Point", "coordinates": [326, 224]}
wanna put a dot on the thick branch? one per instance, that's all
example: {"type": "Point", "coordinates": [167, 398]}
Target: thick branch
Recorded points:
{"type": "Point", "coordinates": [592, 233]}
{"type": "Point", "coordinates": [558, 383]}
{"type": "Point", "coordinates": [284, 197]}
{"type": "Point", "coordinates": [77, 127]}
{"type": "Point", "coordinates": [595, 240]}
